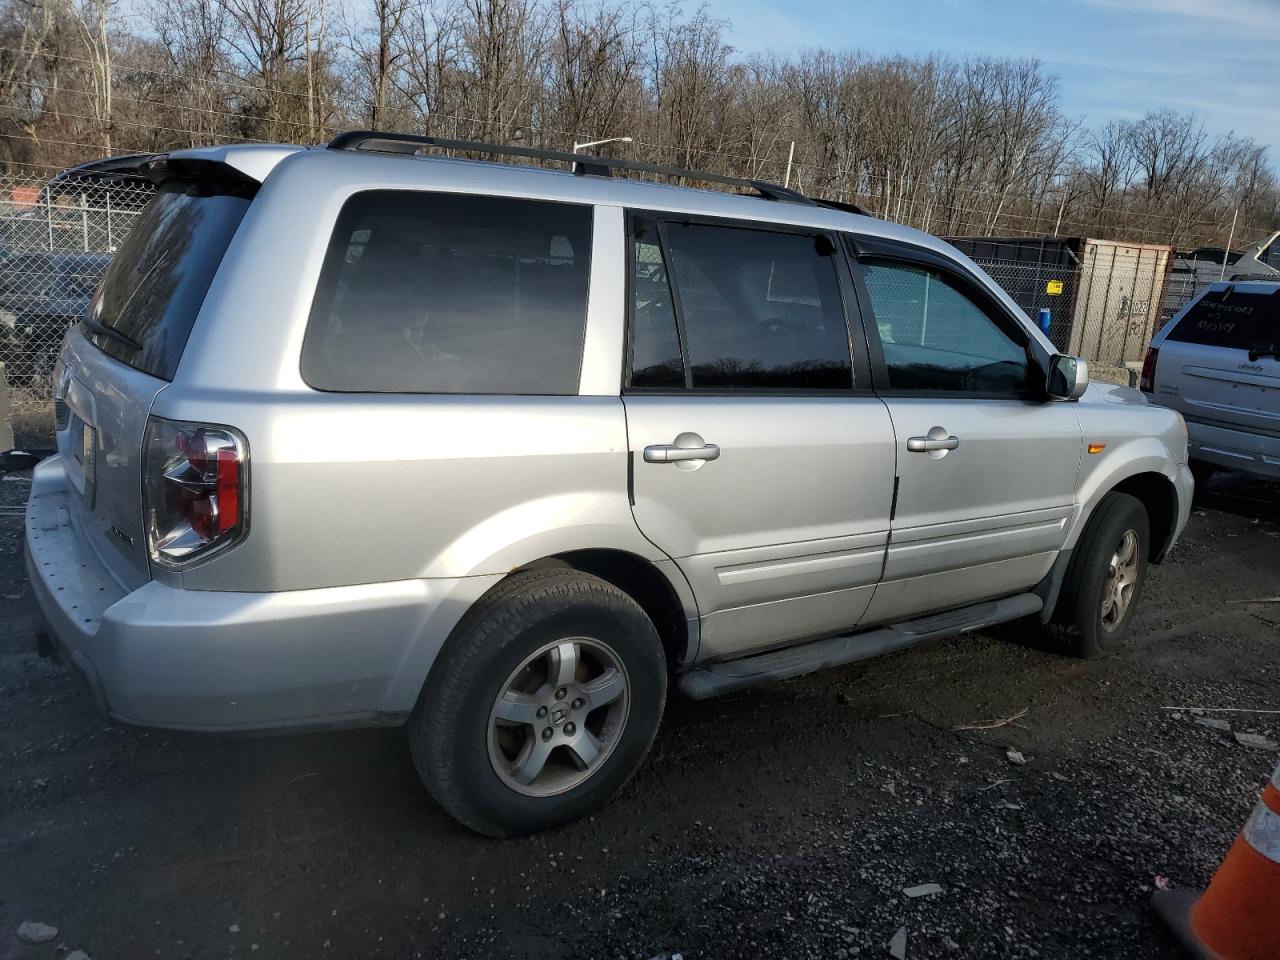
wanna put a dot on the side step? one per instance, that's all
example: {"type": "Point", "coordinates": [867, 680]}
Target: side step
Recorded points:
{"type": "Point", "coordinates": [728, 676]}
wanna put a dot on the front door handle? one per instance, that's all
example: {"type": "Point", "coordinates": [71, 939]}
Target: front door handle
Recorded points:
{"type": "Point", "coordinates": [688, 446]}
{"type": "Point", "coordinates": [937, 442]}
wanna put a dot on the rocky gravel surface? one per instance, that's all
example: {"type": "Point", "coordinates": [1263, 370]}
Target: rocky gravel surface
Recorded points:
{"type": "Point", "coordinates": [789, 821]}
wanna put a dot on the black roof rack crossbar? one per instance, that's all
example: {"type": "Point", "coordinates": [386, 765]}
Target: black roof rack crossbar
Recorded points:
{"type": "Point", "coordinates": [374, 142]}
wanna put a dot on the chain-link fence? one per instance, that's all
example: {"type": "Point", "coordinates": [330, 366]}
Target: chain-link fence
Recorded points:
{"type": "Point", "coordinates": [56, 239]}
{"type": "Point", "coordinates": [1106, 307]}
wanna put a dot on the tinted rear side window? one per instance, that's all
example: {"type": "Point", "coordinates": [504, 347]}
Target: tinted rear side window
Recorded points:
{"type": "Point", "coordinates": [1239, 320]}
{"type": "Point", "coordinates": [159, 277]}
{"type": "Point", "coordinates": [761, 310]}
{"type": "Point", "coordinates": [443, 293]}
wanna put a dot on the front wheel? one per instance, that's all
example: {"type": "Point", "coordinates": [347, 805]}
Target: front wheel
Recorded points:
{"type": "Point", "coordinates": [1104, 580]}
{"type": "Point", "coordinates": [542, 704]}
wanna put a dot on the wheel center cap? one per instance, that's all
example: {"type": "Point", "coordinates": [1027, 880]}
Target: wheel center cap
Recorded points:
{"type": "Point", "coordinates": [559, 715]}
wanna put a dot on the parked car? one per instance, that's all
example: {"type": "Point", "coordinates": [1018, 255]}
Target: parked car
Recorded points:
{"type": "Point", "coordinates": [1218, 364]}
{"type": "Point", "coordinates": [41, 295]}
{"type": "Point", "coordinates": [499, 453]}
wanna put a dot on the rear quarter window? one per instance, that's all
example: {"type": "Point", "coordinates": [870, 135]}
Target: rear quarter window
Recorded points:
{"type": "Point", "coordinates": [451, 293]}
{"type": "Point", "coordinates": [1236, 319]}
{"type": "Point", "coordinates": [158, 279]}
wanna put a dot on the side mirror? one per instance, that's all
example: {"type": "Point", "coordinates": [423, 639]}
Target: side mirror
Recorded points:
{"type": "Point", "coordinates": [1068, 377]}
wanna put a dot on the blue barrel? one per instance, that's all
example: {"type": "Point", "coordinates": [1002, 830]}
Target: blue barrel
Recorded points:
{"type": "Point", "coordinates": [1045, 319]}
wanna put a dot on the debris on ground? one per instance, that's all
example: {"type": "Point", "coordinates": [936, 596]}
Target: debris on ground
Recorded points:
{"type": "Point", "coordinates": [922, 890]}
{"type": "Point", "coordinates": [1212, 722]}
{"type": "Point", "coordinates": [1256, 740]}
{"type": "Point", "coordinates": [1015, 757]}
{"type": "Point", "coordinates": [1162, 883]}
{"type": "Point", "coordinates": [33, 932]}
{"type": "Point", "coordinates": [993, 724]}
{"type": "Point", "coordinates": [898, 944]}
{"type": "Point", "coordinates": [1200, 711]}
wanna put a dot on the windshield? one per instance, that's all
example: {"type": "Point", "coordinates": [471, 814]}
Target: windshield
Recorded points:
{"type": "Point", "coordinates": [1237, 319]}
{"type": "Point", "coordinates": [158, 278]}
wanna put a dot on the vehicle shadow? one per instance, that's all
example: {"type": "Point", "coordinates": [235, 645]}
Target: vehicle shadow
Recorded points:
{"type": "Point", "coordinates": [1240, 494]}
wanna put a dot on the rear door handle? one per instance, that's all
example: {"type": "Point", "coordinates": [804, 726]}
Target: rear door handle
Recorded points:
{"type": "Point", "coordinates": [937, 441]}
{"type": "Point", "coordinates": [688, 446]}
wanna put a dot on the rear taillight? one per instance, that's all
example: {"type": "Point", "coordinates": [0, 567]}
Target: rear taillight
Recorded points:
{"type": "Point", "coordinates": [1147, 382]}
{"type": "Point", "coordinates": [195, 488]}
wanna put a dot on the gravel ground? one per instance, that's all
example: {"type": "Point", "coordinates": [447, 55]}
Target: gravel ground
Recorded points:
{"type": "Point", "coordinates": [784, 821]}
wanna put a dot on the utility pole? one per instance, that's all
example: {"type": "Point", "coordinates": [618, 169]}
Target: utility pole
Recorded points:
{"type": "Point", "coordinates": [1230, 239]}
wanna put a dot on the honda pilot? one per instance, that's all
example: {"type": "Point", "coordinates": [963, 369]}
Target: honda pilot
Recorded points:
{"type": "Point", "coordinates": [365, 434]}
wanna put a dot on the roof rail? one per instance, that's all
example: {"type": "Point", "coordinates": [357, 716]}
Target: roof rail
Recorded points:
{"type": "Point", "coordinates": [373, 141]}
{"type": "Point", "coordinates": [841, 206]}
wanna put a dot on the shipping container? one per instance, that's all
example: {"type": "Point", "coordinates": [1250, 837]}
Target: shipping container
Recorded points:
{"type": "Point", "coordinates": [1104, 296]}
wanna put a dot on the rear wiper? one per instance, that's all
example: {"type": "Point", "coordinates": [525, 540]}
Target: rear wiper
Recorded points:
{"type": "Point", "coordinates": [110, 334]}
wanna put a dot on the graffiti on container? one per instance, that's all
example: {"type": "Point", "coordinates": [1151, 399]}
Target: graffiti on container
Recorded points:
{"type": "Point", "coordinates": [1135, 313]}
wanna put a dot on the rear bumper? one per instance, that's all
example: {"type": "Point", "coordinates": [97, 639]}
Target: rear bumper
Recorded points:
{"type": "Point", "coordinates": [205, 660]}
{"type": "Point", "coordinates": [1236, 449]}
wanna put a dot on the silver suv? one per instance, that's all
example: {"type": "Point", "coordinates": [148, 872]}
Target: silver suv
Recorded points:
{"type": "Point", "coordinates": [1218, 364]}
{"type": "Point", "coordinates": [357, 435]}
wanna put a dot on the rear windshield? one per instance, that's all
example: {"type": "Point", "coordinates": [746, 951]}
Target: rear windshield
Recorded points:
{"type": "Point", "coordinates": [439, 293]}
{"type": "Point", "coordinates": [159, 277]}
{"type": "Point", "coordinates": [1237, 319]}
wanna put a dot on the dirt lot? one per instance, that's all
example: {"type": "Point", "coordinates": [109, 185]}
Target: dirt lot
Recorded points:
{"type": "Point", "coordinates": [784, 821]}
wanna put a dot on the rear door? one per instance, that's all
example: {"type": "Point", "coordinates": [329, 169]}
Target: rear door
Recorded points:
{"type": "Point", "coordinates": [127, 349]}
{"type": "Point", "coordinates": [1218, 363]}
{"type": "Point", "coordinates": [986, 468]}
{"type": "Point", "coordinates": [760, 462]}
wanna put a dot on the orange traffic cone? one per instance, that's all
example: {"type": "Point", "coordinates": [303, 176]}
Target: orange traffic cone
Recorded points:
{"type": "Point", "coordinates": [1238, 917]}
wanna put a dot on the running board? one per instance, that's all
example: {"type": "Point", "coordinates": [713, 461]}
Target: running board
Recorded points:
{"type": "Point", "coordinates": [728, 676]}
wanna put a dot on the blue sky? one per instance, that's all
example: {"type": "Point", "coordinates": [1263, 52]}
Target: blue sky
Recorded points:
{"type": "Point", "coordinates": [1114, 58]}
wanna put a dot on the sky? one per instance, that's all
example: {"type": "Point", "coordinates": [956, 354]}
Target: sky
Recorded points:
{"type": "Point", "coordinates": [1115, 59]}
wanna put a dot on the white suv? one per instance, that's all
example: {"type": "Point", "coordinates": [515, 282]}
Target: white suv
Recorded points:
{"type": "Point", "coordinates": [1217, 362]}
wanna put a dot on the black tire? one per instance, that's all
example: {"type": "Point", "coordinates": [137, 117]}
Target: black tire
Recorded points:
{"type": "Point", "coordinates": [1078, 628]}
{"type": "Point", "coordinates": [449, 730]}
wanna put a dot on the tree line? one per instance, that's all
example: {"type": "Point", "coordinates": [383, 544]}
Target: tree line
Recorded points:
{"type": "Point", "coordinates": [978, 145]}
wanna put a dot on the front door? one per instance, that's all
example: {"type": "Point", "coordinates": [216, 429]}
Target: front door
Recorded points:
{"type": "Point", "coordinates": [756, 465]}
{"type": "Point", "coordinates": [986, 469]}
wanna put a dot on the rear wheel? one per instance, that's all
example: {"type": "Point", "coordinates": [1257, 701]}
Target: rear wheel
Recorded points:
{"type": "Point", "coordinates": [542, 704]}
{"type": "Point", "coordinates": [1104, 580]}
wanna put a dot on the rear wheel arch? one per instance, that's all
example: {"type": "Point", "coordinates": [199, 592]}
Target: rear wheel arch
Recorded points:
{"type": "Point", "coordinates": [646, 584]}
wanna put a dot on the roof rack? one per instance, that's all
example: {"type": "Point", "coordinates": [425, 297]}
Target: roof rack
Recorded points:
{"type": "Point", "coordinates": [841, 206]}
{"type": "Point", "coordinates": [373, 141]}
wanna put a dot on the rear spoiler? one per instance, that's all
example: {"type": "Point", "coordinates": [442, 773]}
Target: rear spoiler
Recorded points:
{"type": "Point", "coordinates": [164, 167]}
{"type": "Point", "coordinates": [234, 163]}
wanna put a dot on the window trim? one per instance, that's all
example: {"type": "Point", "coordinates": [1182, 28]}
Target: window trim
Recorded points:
{"type": "Point", "coordinates": [860, 249]}
{"type": "Point", "coordinates": [860, 366]}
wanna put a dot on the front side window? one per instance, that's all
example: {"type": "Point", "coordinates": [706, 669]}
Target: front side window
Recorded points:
{"type": "Point", "coordinates": [935, 338]}
{"type": "Point", "coordinates": [451, 293]}
{"type": "Point", "coordinates": [758, 309]}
